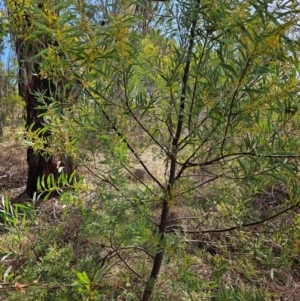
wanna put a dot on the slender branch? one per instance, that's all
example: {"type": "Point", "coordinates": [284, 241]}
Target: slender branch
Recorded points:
{"type": "Point", "coordinates": [119, 134]}
{"type": "Point", "coordinates": [132, 150]}
{"type": "Point", "coordinates": [127, 265]}
{"type": "Point", "coordinates": [232, 103]}
{"type": "Point", "coordinates": [140, 123]}
{"type": "Point", "coordinates": [207, 214]}
{"type": "Point", "coordinates": [239, 227]}
{"type": "Point", "coordinates": [240, 154]}
{"type": "Point", "coordinates": [137, 248]}
{"type": "Point", "coordinates": [101, 177]}
{"type": "Point", "coordinates": [196, 81]}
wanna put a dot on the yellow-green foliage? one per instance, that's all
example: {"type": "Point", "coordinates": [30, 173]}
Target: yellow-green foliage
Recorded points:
{"type": "Point", "coordinates": [216, 104]}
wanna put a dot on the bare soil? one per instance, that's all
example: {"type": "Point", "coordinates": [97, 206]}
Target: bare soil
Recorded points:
{"type": "Point", "coordinates": [13, 166]}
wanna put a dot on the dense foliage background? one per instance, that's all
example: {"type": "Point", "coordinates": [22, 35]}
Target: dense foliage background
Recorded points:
{"type": "Point", "coordinates": [162, 144]}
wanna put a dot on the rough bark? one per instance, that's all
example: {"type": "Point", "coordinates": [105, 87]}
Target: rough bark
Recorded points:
{"type": "Point", "coordinates": [30, 82]}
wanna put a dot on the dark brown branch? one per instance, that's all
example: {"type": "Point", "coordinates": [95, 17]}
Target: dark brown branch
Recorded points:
{"type": "Point", "coordinates": [173, 163]}
{"type": "Point", "coordinates": [101, 178]}
{"type": "Point", "coordinates": [132, 150]}
{"type": "Point", "coordinates": [127, 265]}
{"type": "Point", "coordinates": [240, 154]}
{"type": "Point", "coordinates": [239, 227]}
{"type": "Point", "coordinates": [119, 134]}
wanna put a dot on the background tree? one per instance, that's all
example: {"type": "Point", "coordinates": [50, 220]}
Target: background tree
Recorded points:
{"type": "Point", "coordinates": [11, 109]}
{"type": "Point", "coordinates": [1, 53]}
{"type": "Point", "coordinates": [22, 22]}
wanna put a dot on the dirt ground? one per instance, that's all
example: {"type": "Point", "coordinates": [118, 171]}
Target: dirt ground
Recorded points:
{"type": "Point", "coordinates": [13, 166]}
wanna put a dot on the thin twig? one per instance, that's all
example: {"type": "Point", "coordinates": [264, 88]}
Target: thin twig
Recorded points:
{"type": "Point", "coordinates": [239, 227]}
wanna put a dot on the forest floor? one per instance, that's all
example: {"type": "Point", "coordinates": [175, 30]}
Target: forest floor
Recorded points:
{"type": "Point", "coordinates": [13, 166]}
{"type": "Point", "coordinates": [283, 286]}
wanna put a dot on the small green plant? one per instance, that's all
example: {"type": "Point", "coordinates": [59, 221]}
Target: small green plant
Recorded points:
{"type": "Point", "coordinates": [13, 215]}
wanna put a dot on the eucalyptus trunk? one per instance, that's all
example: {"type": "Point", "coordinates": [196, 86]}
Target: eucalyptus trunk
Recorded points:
{"type": "Point", "coordinates": [31, 87]}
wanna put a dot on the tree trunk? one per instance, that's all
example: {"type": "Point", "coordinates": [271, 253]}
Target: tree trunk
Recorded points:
{"type": "Point", "coordinates": [29, 82]}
